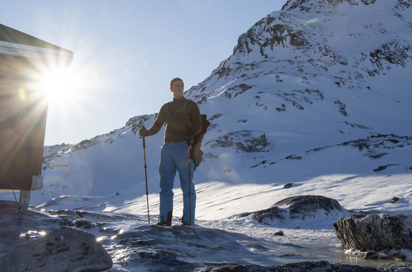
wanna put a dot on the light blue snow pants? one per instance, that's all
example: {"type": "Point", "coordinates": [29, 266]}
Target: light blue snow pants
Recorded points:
{"type": "Point", "coordinates": [174, 157]}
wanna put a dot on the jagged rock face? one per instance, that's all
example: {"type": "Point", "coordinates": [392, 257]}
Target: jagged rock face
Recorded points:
{"type": "Point", "coordinates": [137, 122]}
{"type": "Point", "coordinates": [315, 66]}
{"type": "Point", "coordinates": [243, 141]}
{"type": "Point", "coordinates": [303, 30]}
{"type": "Point", "coordinates": [311, 57]}
{"type": "Point", "coordinates": [375, 231]}
{"type": "Point", "coordinates": [307, 5]}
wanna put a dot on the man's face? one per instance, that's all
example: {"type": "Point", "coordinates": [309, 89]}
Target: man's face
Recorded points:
{"type": "Point", "coordinates": [177, 89]}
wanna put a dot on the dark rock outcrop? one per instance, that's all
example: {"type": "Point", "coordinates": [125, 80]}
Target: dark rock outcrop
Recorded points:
{"type": "Point", "coordinates": [62, 249]}
{"type": "Point", "coordinates": [242, 141]}
{"type": "Point", "coordinates": [84, 223]}
{"type": "Point", "coordinates": [296, 207]}
{"type": "Point", "coordinates": [375, 232]}
{"type": "Point", "coordinates": [309, 203]}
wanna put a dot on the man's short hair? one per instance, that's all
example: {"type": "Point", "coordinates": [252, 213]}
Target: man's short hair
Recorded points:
{"type": "Point", "coordinates": [174, 80]}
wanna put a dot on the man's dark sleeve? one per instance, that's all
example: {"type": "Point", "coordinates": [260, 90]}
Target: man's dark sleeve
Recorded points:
{"type": "Point", "coordinates": [197, 120]}
{"type": "Point", "coordinates": [158, 123]}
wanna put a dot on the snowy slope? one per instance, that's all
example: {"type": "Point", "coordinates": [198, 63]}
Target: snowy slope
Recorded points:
{"type": "Point", "coordinates": [314, 74]}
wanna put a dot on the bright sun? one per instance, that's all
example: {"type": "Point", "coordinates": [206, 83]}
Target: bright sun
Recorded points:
{"type": "Point", "coordinates": [59, 86]}
{"type": "Point", "coordinates": [66, 89]}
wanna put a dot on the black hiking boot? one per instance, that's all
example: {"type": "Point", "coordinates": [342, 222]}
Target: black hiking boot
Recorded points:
{"type": "Point", "coordinates": [168, 221]}
{"type": "Point", "coordinates": [183, 223]}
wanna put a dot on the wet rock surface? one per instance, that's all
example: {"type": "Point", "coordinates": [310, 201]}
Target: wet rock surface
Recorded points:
{"type": "Point", "coordinates": [308, 267]}
{"type": "Point", "coordinates": [62, 249]}
{"type": "Point", "coordinates": [180, 248]}
{"type": "Point", "coordinates": [13, 228]}
{"type": "Point", "coordinates": [134, 245]}
{"type": "Point", "coordinates": [375, 232]}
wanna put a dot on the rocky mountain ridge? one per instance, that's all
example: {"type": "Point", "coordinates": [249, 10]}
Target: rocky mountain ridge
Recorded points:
{"type": "Point", "coordinates": [317, 73]}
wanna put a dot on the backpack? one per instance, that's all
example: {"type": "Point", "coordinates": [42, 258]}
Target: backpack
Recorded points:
{"type": "Point", "coordinates": [196, 154]}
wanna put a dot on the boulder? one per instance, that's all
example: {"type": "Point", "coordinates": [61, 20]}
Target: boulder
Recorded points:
{"type": "Point", "coordinates": [301, 205]}
{"type": "Point", "coordinates": [62, 249]}
{"type": "Point", "coordinates": [279, 233]}
{"type": "Point", "coordinates": [296, 207]}
{"type": "Point", "coordinates": [85, 223]}
{"type": "Point", "coordinates": [375, 232]}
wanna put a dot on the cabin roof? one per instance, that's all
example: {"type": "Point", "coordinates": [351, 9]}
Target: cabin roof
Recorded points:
{"type": "Point", "coordinates": [10, 35]}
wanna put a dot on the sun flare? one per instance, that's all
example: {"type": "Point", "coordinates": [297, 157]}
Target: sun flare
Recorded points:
{"type": "Point", "coordinates": [59, 86]}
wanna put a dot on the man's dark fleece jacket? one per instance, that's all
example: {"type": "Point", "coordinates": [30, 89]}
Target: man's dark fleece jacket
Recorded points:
{"type": "Point", "coordinates": [176, 128]}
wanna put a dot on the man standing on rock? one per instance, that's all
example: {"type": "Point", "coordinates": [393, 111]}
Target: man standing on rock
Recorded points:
{"type": "Point", "coordinates": [183, 121]}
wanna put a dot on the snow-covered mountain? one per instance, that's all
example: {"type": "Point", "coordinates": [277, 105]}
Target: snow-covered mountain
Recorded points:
{"type": "Point", "coordinates": [317, 73]}
{"type": "Point", "coordinates": [316, 96]}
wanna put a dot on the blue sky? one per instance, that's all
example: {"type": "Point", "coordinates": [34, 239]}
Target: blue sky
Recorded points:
{"type": "Point", "coordinates": [127, 51]}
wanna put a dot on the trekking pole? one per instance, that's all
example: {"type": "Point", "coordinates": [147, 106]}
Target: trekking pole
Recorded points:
{"type": "Point", "coordinates": [190, 194]}
{"type": "Point", "coordinates": [145, 175]}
